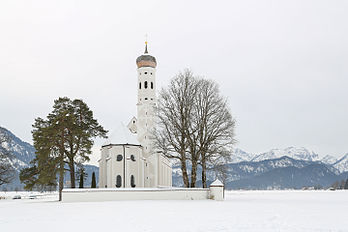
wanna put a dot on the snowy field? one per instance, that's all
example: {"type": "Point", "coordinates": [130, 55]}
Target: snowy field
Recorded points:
{"type": "Point", "coordinates": [241, 211]}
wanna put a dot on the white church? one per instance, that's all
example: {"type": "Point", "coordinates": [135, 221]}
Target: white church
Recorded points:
{"type": "Point", "coordinates": [133, 162]}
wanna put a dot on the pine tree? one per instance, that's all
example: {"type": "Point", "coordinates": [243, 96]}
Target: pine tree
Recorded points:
{"type": "Point", "coordinates": [81, 175]}
{"type": "Point", "coordinates": [346, 185]}
{"type": "Point", "coordinates": [81, 181]}
{"type": "Point", "coordinates": [65, 137]}
{"type": "Point", "coordinates": [94, 184]}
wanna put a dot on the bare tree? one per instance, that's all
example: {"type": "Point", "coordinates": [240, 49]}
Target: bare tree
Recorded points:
{"type": "Point", "coordinates": [219, 167]}
{"type": "Point", "coordinates": [214, 127]}
{"type": "Point", "coordinates": [194, 125]}
{"type": "Point", "coordinates": [174, 111]}
{"type": "Point", "coordinates": [336, 185]}
{"type": "Point", "coordinates": [6, 169]}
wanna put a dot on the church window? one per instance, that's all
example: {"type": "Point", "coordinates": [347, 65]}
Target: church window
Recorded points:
{"type": "Point", "coordinates": [139, 85]}
{"type": "Point", "coordinates": [146, 98]}
{"type": "Point", "coordinates": [118, 181]}
{"type": "Point", "coordinates": [145, 72]}
{"type": "Point", "coordinates": [132, 181]}
{"type": "Point", "coordinates": [151, 85]}
{"type": "Point", "coordinates": [119, 157]}
{"type": "Point", "coordinates": [145, 85]}
{"type": "Point", "coordinates": [132, 158]}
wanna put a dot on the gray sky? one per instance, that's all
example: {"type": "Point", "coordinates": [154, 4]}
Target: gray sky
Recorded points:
{"type": "Point", "coordinates": [282, 64]}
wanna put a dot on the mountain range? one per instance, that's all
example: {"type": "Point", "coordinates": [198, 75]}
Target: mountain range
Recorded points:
{"type": "Point", "coordinates": [21, 155]}
{"type": "Point", "coordinates": [291, 167]}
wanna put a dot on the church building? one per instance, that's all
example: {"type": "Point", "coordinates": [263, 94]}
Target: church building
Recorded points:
{"type": "Point", "coordinates": [135, 163]}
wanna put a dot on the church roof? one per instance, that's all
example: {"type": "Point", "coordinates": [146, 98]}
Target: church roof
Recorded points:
{"type": "Point", "coordinates": [122, 135]}
{"type": "Point", "coordinates": [146, 60]}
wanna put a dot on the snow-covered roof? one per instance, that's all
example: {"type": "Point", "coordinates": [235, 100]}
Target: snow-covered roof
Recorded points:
{"type": "Point", "coordinates": [217, 182]}
{"type": "Point", "coordinates": [121, 135]}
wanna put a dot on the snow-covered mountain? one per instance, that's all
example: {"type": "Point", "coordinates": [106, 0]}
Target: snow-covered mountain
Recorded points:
{"type": "Point", "coordinates": [245, 170]}
{"type": "Point", "coordinates": [22, 152]}
{"type": "Point", "coordinates": [297, 153]}
{"type": "Point", "coordinates": [239, 156]}
{"type": "Point", "coordinates": [342, 164]}
{"type": "Point", "coordinates": [329, 159]}
{"type": "Point", "coordinates": [21, 155]}
{"type": "Point", "coordinates": [292, 152]}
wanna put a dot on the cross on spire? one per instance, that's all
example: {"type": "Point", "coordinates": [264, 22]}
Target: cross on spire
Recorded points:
{"type": "Point", "coordinates": [146, 52]}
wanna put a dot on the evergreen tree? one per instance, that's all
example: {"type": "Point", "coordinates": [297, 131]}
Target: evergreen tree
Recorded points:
{"type": "Point", "coordinates": [94, 184]}
{"type": "Point", "coordinates": [81, 181]}
{"type": "Point", "coordinates": [65, 137]}
{"type": "Point", "coordinates": [82, 175]}
{"type": "Point", "coordinates": [346, 185]}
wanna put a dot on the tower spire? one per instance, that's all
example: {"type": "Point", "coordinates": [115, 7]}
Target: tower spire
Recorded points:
{"type": "Point", "coordinates": [146, 52]}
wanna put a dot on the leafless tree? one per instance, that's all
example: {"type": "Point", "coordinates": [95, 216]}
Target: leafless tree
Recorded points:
{"type": "Point", "coordinates": [336, 185]}
{"type": "Point", "coordinates": [214, 127]}
{"type": "Point", "coordinates": [194, 124]}
{"type": "Point", "coordinates": [6, 169]}
{"type": "Point", "coordinates": [174, 111]}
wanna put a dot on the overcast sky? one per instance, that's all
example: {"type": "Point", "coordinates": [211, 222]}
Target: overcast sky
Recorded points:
{"type": "Point", "coordinates": [282, 64]}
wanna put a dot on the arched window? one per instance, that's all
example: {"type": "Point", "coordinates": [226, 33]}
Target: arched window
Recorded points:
{"type": "Point", "coordinates": [132, 158]}
{"type": "Point", "coordinates": [145, 72]}
{"type": "Point", "coordinates": [139, 85]}
{"type": "Point", "coordinates": [118, 181]}
{"type": "Point", "coordinates": [119, 157]}
{"type": "Point", "coordinates": [151, 85]}
{"type": "Point", "coordinates": [145, 84]}
{"type": "Point", "coordinates": [132, 181]}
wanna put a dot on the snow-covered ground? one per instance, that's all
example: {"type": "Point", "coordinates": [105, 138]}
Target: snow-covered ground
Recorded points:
{"type": "Point", "coordinates": [241, 211]}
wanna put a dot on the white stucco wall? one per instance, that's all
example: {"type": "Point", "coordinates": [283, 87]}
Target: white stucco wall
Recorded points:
{"type": "Point", "coordinates": [110, 168]}
{"type": "Point", "coordinates": [95, 195]}
{"type": "Point", "coordinates": [146, 108]}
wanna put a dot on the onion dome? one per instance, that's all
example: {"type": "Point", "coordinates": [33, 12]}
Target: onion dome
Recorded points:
{"type": "Point", "coordinates": [146, 60]}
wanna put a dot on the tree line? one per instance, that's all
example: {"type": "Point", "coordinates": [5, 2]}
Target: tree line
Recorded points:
{"type": "Point", "coordinates": [343, 184]}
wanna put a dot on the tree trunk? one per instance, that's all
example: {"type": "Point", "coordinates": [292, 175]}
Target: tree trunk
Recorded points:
{"type": "Point", "coordinates": [194, 173]}
{"type": "Point", "coordinates": [61, 178]}
{"type": "Point", "coordinates": [204, 172]}
{"type": "Point", "coordinates": [72, 173]}
{"type": "Point", "coordinates": [184, 173]}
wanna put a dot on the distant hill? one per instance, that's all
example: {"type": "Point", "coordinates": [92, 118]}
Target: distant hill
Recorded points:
{"type": "Point", "coordinates": [278, 168]}
{"type": "Point", "coordinates": [278, 173]}
{"type": "Point", "coordinates": [22, 154]}
{"type": "Point", "coordinates": [314, 174]}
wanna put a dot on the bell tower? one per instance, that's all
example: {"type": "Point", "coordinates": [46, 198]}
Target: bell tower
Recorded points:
{"type": "Point", "coordinates": [146, 69]}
